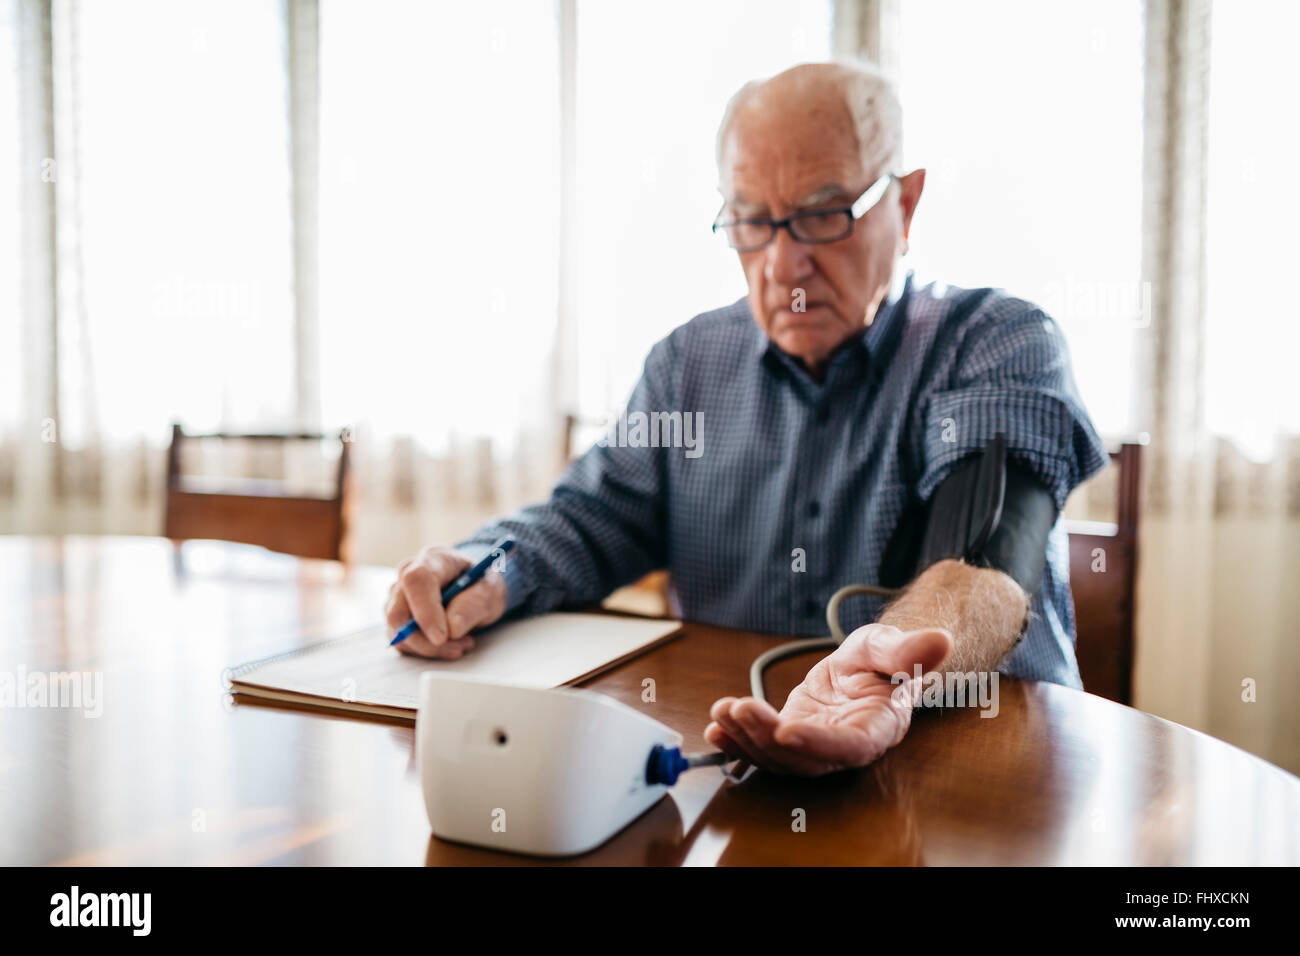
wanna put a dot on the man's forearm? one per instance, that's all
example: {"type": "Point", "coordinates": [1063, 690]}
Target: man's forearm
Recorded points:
{"type": "Point", "coordinates": [559, 561]}
{"type": "Point", "coordinates": [983, 609]}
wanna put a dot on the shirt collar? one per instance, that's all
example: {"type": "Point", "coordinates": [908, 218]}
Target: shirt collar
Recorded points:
{"type": "Point", "coordinates": [872, 342]}
{"type": "Point", "coordinates": [890, 316]}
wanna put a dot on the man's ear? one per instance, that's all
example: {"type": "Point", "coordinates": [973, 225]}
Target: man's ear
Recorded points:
{"type": "Point", "coordinates": [910, 187]}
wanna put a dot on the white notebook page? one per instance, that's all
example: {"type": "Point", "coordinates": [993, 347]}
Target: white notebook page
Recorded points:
{"type": "Point", "coordinates": [546, 651]}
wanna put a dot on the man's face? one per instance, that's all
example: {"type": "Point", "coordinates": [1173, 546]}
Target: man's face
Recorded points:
{"type": "Point", "coordinates": [787, 152]}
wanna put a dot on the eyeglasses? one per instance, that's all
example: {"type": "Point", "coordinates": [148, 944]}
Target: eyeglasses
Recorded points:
{"type": "Point", "coordinates": [812, 225]}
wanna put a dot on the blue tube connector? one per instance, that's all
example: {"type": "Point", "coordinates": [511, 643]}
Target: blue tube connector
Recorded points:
{"type": "Point", "coordinates": [665, 765]}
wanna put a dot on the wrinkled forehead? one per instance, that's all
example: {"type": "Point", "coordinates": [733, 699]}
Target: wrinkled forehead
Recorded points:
{"type": "Point", "coordinates": [780, 157]}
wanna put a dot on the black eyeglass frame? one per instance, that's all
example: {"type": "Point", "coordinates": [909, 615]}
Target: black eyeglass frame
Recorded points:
{"type": "Point", "coordinates": [855, 210]}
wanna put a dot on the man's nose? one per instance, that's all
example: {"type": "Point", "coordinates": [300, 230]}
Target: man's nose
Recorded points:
{"type": "Point", "coordinates": [788, 260]}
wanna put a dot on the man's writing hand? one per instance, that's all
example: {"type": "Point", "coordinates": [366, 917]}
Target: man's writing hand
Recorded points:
{"type": "Point", "coordinates": [846, 713]}
{"type": "Point", "coordinates": [417, 593]}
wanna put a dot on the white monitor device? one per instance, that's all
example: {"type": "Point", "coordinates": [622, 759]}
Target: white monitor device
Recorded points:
{"type": "Point", "coordinates": [546, 772]}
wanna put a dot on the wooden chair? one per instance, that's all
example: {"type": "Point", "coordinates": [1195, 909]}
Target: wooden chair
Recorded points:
{"type": "Point", "coordinates": [258, 511]}
{"type": "Point", "coordinates": [1103, 578]}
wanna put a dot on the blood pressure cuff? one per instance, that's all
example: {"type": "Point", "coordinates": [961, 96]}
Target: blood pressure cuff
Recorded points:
{"type": "Point", "coordinates": [990, 515]}
{"type": "Point", "coordinates": [986, 512]}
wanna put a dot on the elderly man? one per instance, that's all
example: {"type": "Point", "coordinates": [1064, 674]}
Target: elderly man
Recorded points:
{"type": "Point", "coordinates": [836, 405]}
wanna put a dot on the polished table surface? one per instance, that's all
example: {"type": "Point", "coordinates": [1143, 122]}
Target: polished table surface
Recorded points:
{"type": "Point", "coordinates": [175, 770]}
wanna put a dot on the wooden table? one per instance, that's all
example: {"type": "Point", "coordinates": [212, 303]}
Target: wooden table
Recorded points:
{"type": "Point", "coordinates": [174, 771]}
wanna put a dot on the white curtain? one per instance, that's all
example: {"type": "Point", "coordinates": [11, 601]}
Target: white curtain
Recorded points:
{"type": "Point", "coordinates": [1218, 607]}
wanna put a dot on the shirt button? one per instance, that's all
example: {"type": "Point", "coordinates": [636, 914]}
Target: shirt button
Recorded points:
{"type": "Point", "coordinates": [814, 509]}
{"type": "Point", "coordinates": [823, 414]}
{"type": "Point", "coordinates": [811, 607]}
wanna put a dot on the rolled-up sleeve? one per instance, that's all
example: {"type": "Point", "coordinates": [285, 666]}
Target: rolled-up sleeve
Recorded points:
{"type": "Point", "coordinates": [1012, 376]}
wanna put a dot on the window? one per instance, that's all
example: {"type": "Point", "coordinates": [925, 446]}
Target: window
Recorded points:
{"type": "Point", "coordinates": [12, 405]}
{"type": "Point", "coordinates": [183, 218]}
{"type": "Point", "coordinates": [439, 215]}
{"type": "Point", "coordinates": [652, 84]}
{"type": "Point", "coordinates": [1048, 205]}
{"type": "Point", "coordinates": [1252, 247]}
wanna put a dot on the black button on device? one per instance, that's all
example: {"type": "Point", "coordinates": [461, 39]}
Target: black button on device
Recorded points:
{"type": "Point", "coordinates": [811, 607]}
{"type": "Point", "coordinates": [814, 509]}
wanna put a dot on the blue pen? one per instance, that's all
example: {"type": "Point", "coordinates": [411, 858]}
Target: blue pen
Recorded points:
{"type": "Point", "coordinates": [468, 578]}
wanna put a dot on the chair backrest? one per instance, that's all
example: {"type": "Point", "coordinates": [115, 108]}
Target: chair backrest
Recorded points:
{"type": "Point", "coordinates": [258, 511]}
{"type": "Point", "coordinates": [574, 426]}
{"type": "Point", "coordinates": [1103, 579]}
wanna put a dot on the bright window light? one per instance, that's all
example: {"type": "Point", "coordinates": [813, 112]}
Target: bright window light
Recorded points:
{"type": "Point", "coordinates": [185, 213]}
{"type": "Point", "coordinates": [1252, 243]}
{"type": "Point", "coordinates": [12, 406]}
{"type": "Point", "coordinates": [1028, 119]}
{"type": "Point", "coordinates": [652, 84]}
{"type": "Point", "coordinates": [439, 215]}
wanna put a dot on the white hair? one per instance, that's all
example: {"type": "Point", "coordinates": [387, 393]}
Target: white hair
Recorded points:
{"type": "Point", "coordinates": [873, 106]}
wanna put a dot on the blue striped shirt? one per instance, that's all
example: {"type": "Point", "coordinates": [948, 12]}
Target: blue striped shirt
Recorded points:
{"type": "Point", "coordinates": [792, 487]}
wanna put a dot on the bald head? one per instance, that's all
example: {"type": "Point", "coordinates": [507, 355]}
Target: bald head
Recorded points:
{"type": "Point", "coordinates": [852, 98]}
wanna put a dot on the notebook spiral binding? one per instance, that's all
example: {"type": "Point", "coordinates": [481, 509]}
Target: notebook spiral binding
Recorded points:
{"type": "Point", "coordinates": [231, 674]}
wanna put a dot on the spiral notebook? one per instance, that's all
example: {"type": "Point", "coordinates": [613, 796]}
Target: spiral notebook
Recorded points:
{"type": "Point", "coordinates": [360, 673]}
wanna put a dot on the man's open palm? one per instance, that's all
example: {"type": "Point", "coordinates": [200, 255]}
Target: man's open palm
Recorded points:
{"type": "Point", "coordinates": [846, 713]}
